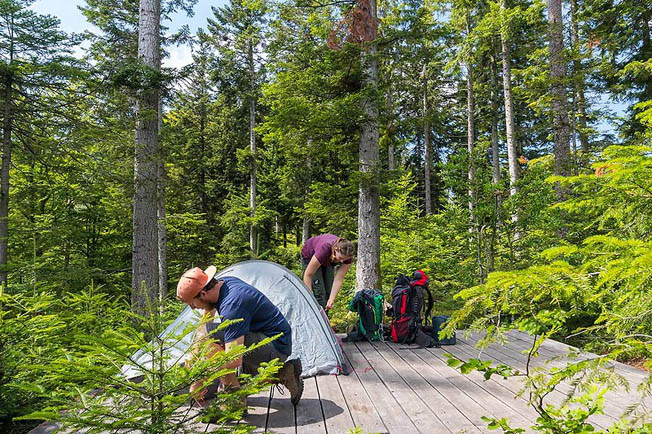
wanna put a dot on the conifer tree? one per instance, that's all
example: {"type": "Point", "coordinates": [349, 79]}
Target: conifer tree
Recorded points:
{"type": "Point", "coordinates": [238, 33]}
{"type": "Point", "coordinates": [35, 59]}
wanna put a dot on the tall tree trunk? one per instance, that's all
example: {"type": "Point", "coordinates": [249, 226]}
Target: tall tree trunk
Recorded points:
{"type": "Point", "coordinates": [161, 219]}
{"type": "Point", "coordinates": [560, 122]}
{"type": "Point", "coordinates": [368, 264]}
{"type": "Point", "coordinates": [252, 144]}
{"type": "Point", "coordinates": [145, 227]}
{"type": "Point", "coordinates": [495, 158]}
{"type": "Point", "coordinates": [580, 100]}
{"type": "Point", "coordinates": [426, 138]}
{"type": "Point", "coordinates": [470, 127]}
{"type": "Point", "coordinates": [470, 143]}
{"type": "Point", "coordinates": [203, 120]}
{"type": "Point", "coordinates": [495, 151]}
{"type": "Point", "coordinates": [305, 233]}
{"type": "Point", "coordinates": [7, 125]}
{"type": "Point", "coordinates": [510, 135]}
{"type": "Point", "coordinates": [390, 143]}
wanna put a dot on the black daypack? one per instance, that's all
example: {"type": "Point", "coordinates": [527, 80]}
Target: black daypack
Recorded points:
{"type": "Point", "coordinates": [438, 323]}
{"type": "Point", "coordinates": [368, 304]}
{"type": "Point", "coordinates": [408, 300]}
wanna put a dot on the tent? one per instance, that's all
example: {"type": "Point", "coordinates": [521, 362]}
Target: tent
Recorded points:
{"type": "Point", "coordinates": [313, 340]}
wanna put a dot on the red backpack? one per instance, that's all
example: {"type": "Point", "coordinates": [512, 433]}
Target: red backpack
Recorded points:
{"type": "Point", "coordinates": [408, 299]}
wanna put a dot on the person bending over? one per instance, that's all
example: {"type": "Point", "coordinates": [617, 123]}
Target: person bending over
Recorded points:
{"type": "Point", "coordinates": [233, 299]}
{"type": "Point", "coordinates": [321, 254]}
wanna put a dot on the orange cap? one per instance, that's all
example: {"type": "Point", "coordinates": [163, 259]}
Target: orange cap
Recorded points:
{"type": "Point", "coordinates": [192, 282]}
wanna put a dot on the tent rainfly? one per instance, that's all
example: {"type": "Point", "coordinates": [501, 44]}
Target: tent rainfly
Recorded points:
{"type": "Point", "coordinates": [313, 340]}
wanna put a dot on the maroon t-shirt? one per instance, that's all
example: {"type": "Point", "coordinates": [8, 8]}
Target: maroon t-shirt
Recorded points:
{"type": "Point", "coordinates": [321, 247]}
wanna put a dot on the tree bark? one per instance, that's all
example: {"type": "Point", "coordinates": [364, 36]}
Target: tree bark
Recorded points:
{"type": "Point", "coordinates": [560, 121]}
{"type": "Point", "coordinates": [305, 232]}
{"type": "Point", "coordinates": [252, 144]}
{"type": "Point", "coordinates": [426, 139]}
{"type": "Point", "coordinates": [495, 151]}
{"type": "Point", "coordinates": [580, 99]}
{"type": "Point", "coordinates": [368, 263]}
{"type": "Point", "coordinates": [145, 226]}
{"type": "Point", "coordinates": [470, 129]}
{"type": "Point", "coordinates": [390, 144]}
{"type": "Point", "coordinates": [203, 121]}
{"type": "Point", "coordinates": [161, 220]}
{"type": "Point", "coordinates": [7, 125]}
{"type": "Point", "coordinates": [4, 174]}
{"type": "Point", "coordinates": [495, 159]}
{"type": "Point", "coordinates": [510, 135]}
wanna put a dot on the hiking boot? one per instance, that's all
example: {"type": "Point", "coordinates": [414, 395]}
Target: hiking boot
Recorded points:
{"type": "Point", "coordinates": [290, 377]}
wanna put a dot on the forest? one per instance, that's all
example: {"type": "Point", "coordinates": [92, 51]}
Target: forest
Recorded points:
{"type": "Point", "coordinates": [502, 146]}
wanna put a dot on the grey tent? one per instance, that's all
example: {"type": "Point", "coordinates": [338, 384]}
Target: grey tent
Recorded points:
{"type": "Point", "coordinates": [313, 340]}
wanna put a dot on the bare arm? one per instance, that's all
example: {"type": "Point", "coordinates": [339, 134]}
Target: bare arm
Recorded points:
{"type": "Point", "coordinates": [337, 284]}
{"type": "Point", "coordinates": [233, 364]}
{"type": "Point", "coordinates": [311, 269]}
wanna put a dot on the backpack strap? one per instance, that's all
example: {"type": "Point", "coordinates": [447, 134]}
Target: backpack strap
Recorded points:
{"type": "Point", "coordinates": [430, 304]}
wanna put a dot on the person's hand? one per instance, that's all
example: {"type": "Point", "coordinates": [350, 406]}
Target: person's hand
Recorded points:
{"type": "Point", "coordinates": [329, 304]}
{"type": "Point", "coordinates": [198, 395]}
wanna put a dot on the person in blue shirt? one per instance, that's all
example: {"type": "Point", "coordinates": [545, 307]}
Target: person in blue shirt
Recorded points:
{"type": "Point", "coordinates": [231, 298]}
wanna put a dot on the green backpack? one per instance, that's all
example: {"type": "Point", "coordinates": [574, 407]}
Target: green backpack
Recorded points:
{"type": "Point", "coordinates": [368, 304]}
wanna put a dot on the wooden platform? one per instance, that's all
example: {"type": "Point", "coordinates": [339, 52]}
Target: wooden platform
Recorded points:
{"type": "Point", "coordinates": [396, 389]}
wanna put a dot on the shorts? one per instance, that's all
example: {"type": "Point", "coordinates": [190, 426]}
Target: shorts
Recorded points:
{"type": "Point", "coordinates": [251, 360]}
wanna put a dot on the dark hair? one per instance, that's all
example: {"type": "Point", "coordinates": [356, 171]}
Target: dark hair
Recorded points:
{"type": "Point", "coordinates": [345, 247]}
{"type": "Point", "coordinates": [209, 285]}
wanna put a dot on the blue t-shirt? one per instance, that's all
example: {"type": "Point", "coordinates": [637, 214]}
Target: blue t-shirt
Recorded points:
{"type": "Point", "coordinates": [239, 300]}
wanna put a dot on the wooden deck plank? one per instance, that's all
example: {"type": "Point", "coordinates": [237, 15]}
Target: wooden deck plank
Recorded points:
{"type": "Point", "coordinates": [359, 404]}
{"type": "Point", "coordinates": [551, 347]}
{"type": "Point", "coordinates": [471, 410]}
{"type": "Point", "coordinates": [257, 406]}
{"type": "Point", "coordinates": [422, 416]}
{"type": "Point", "coordinates": [464, 352]}
{"type": "Point", "coordinates": [396, 390]}
{"type": "Point", "coordinates": [622, 398]}
{"type": "Point", "coordinates": [511, 358]}
{"type": "Point", "coordinates": [336, 414]}
{"type": "Point", "coordinates": [281, 418]}
{"type": "Point", "coordinates": [393, 416]}
{"type": "Point", "coordinates": [424, 386]}
{"type": "Point", "coordinates": [617, 401]}
{"type": "Point", "coordinates": [493, 407]}
{"type": "Point", "coordinates": [494, 389]}
{"type": "Point", "coordinates": [309, 415]}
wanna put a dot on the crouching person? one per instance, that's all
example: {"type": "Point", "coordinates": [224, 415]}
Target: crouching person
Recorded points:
{"type": "Point", "coordinates": [233, 299]}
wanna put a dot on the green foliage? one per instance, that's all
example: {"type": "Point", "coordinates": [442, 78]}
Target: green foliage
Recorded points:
{"type": "Point", "coordinates": [38, 328]}
{"type": "Point", "coordinates": [89, 390]}
{"type": "Point", "coordinates": [598, 288]}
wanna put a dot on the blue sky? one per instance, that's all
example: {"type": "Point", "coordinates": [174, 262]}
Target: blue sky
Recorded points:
{"type": "Point", "coordinates": [72, 20]}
